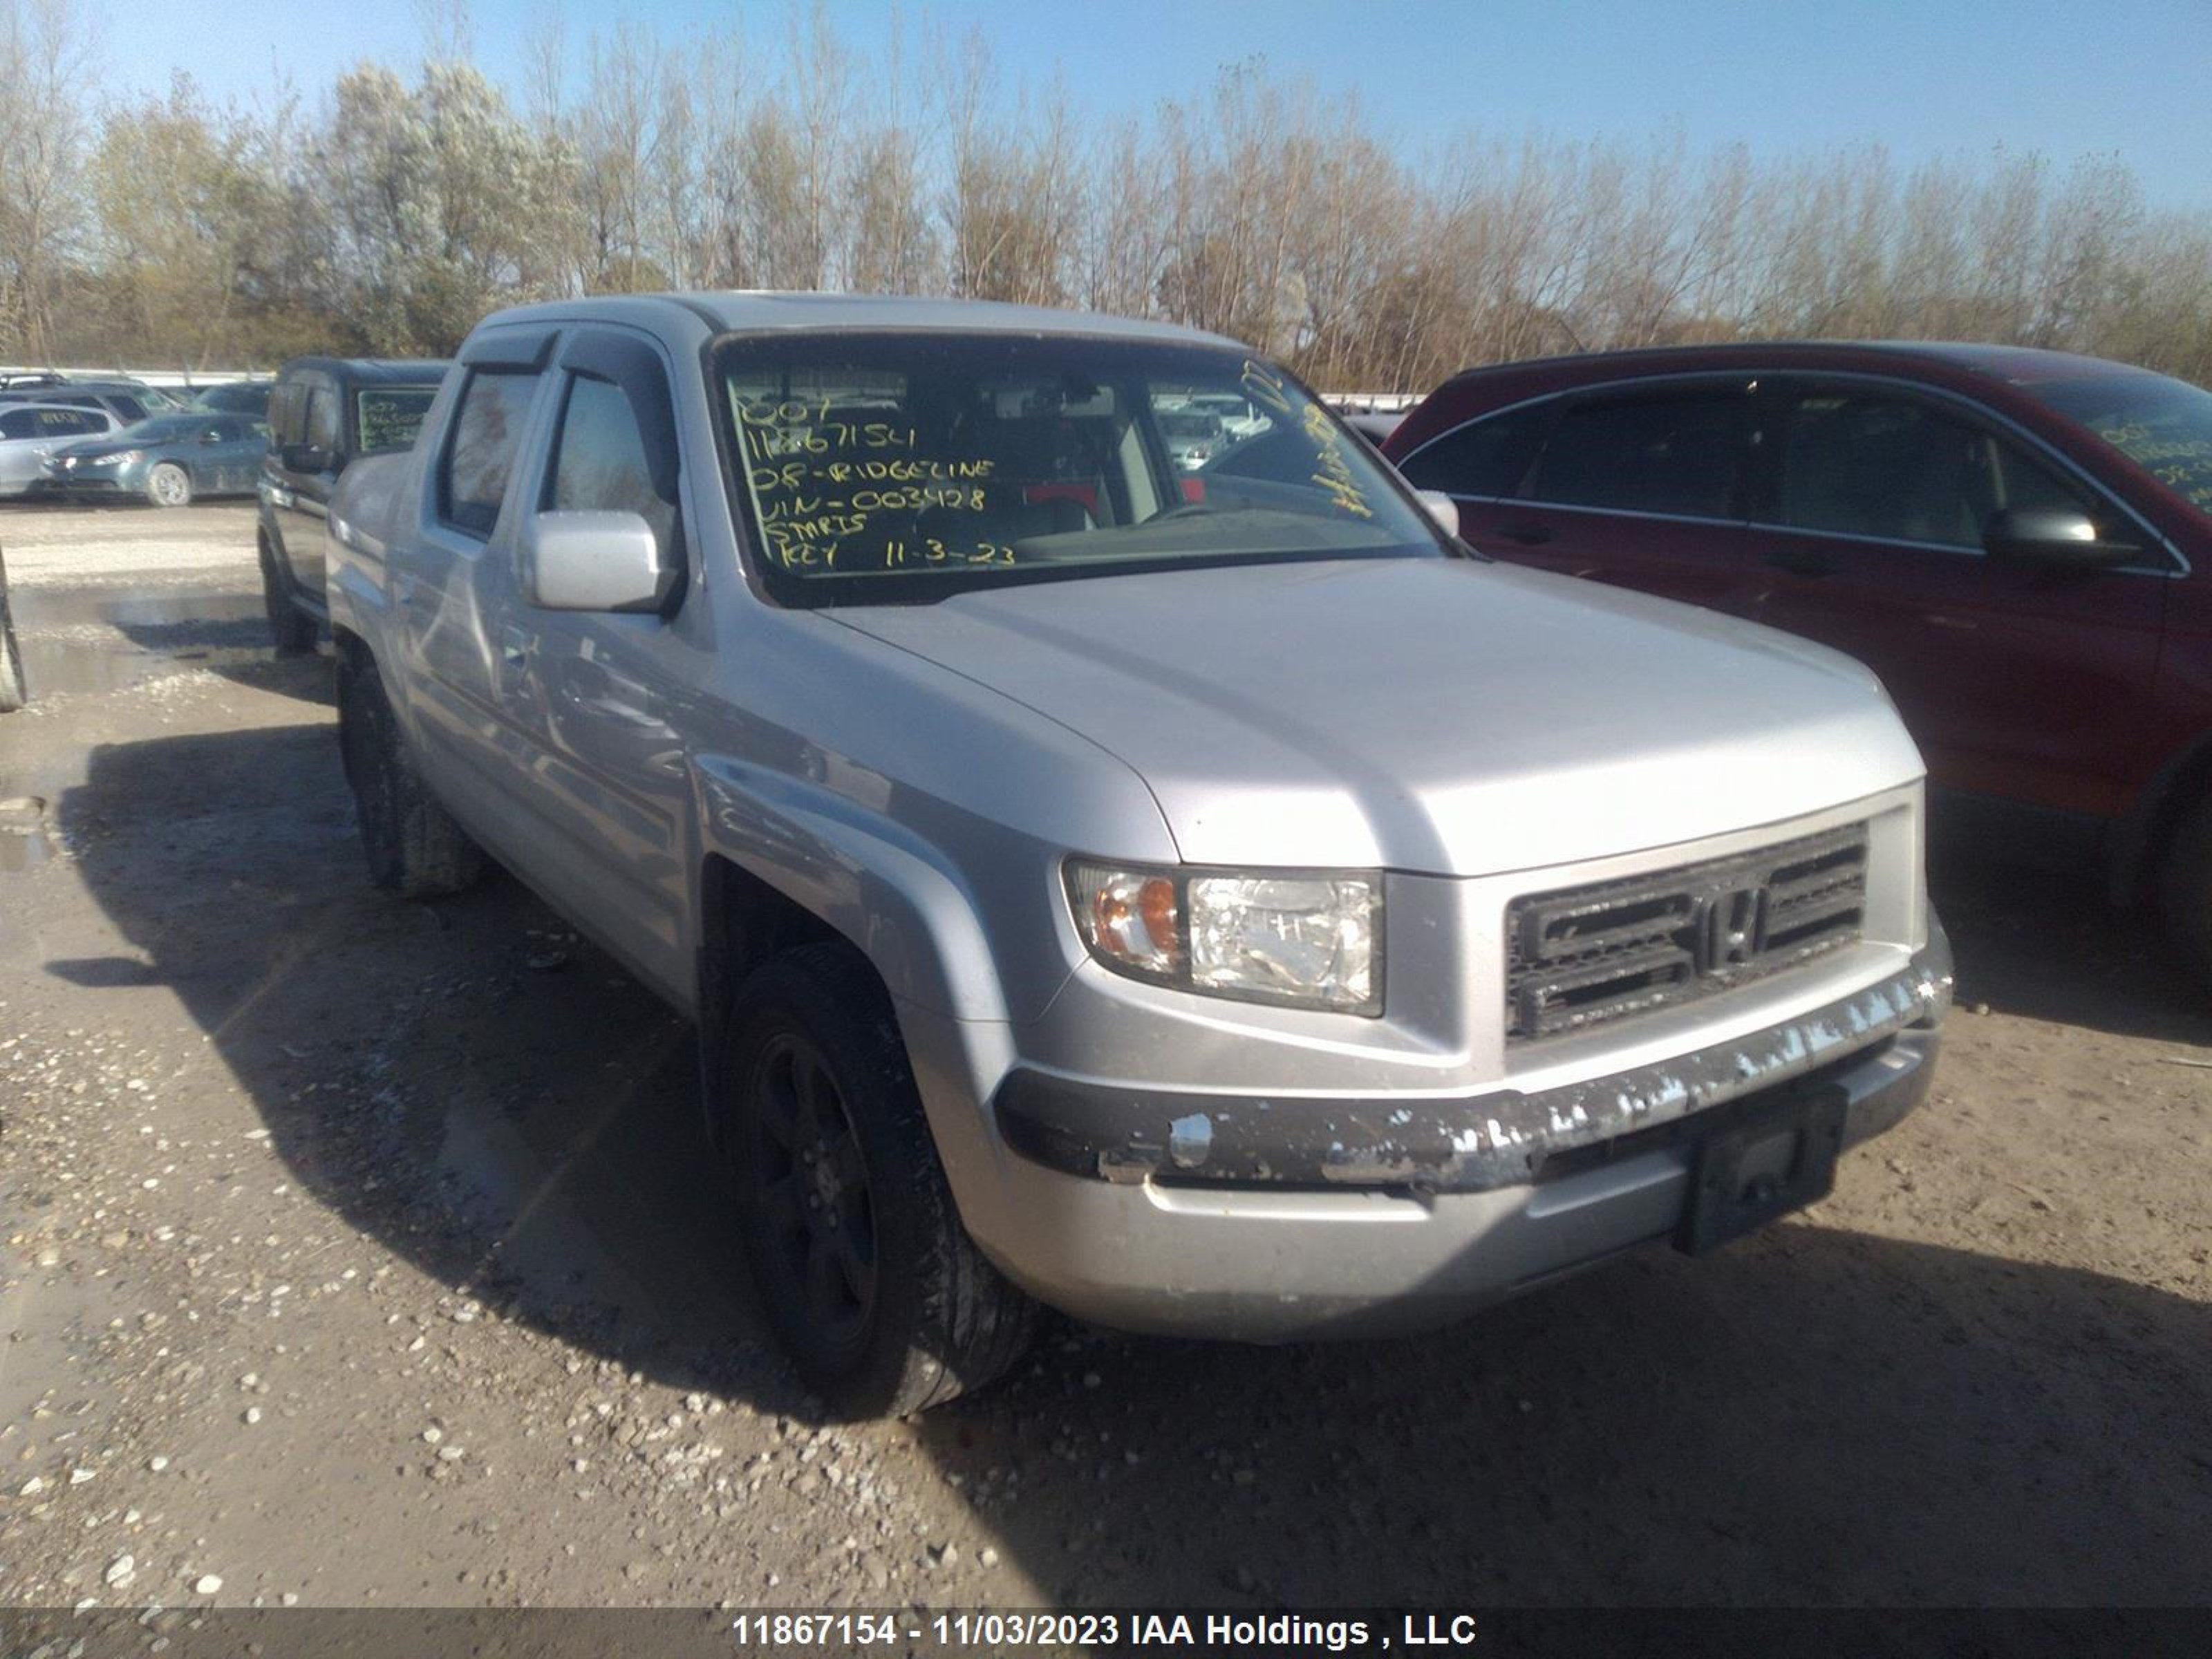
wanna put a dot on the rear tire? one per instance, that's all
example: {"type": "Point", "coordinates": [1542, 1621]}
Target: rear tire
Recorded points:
{"type": "Point", "coordinates": [413, 847]}
{"type": "Point", "coordinates": [878, 1295]}
{"type": "Point", "coordinates": [169, 485]}
{"type": "Point", "coordinates": [292, 629]}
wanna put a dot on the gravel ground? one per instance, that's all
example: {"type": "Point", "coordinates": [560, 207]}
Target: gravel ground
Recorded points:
{"type": "Point", "coordinates": [364, 1253]}
{"type": "Point", "coordinates": [127, 545]}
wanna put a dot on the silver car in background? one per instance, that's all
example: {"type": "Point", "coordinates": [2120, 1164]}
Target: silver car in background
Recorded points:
{"type": "Point", "coordinates": [30, 432]}
{"type": "Point", "coordinates": [1214, 902]}
{"type": "Point", "coordinates": [169, 461]}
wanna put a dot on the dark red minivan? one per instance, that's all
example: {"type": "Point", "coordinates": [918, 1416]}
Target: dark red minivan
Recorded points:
{"type": "Point", "coordinates": [2019, 542]}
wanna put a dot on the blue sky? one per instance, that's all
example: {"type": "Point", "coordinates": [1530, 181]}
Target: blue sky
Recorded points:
{"type": "Point", "coordinates": [1926, 78]}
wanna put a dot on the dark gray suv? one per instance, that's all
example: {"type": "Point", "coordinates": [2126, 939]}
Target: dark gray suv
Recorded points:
{"type": "Point", "coordinates": [325, 413]}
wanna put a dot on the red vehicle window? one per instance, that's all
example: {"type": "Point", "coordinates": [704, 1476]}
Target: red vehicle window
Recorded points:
{"type": "Point", "coordinates": [1484, 457]}
{"type": "Point", "coordinates": [1898, 470]}
{"type": "Point", "coordinates": [1678, 453]}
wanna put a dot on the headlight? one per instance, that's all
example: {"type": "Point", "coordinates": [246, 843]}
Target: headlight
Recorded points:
{"type": "Point", "coordinates": [1309, 939]}
{"type": "Point", "coordinates": [124, 458]}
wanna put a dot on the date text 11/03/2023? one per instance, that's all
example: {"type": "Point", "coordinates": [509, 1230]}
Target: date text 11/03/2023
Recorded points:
{"type": "Point", "coordinates": [1254, 1632]}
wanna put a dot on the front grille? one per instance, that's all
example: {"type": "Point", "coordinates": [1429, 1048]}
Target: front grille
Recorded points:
{"type": "Point", "coordinates": [1586, 955]}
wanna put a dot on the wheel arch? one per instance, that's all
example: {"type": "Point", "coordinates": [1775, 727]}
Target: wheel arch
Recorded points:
{"type": "Point", "coordinates": [743, 921]}
{"type": "Point", "coordinates": [2141, 837]}
{"type": "Point", "coordinates": [782, 867]}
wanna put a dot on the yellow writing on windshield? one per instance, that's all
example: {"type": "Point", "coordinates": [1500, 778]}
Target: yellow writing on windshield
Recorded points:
{"type": "Point", "coordinates": [1263, 386]}
{"type": "Point", "coordinates": [2182, 465]}
{"type": "Point", "coordinates": [828, 484]}
{"type": "Point", "coordinates": [1333, 471]}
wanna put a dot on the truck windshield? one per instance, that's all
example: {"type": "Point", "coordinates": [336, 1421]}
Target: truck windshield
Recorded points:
{"type": "Point", "coordinates": [2162, 425]}
{"type": "Point", "coordinates": [895, 467]}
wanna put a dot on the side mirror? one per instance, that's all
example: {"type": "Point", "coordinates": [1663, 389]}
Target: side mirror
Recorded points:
{"type": "Point", "coordinates": [2052, 540]}
{"type": "Point", "coordinates": [306, 458]}
{"type": "Point", "coordinates": [595, 562]}
{"type": "Point", "coordinates": [1442, 508]}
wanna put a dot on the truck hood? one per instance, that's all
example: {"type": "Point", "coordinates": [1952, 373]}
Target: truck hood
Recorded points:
{"type": "Point", "coordinates": [1441, 716]}
{"type": "Point", "coordinates": [98, 449]}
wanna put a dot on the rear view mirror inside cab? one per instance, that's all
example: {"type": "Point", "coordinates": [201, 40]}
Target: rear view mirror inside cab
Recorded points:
{"type": "Point", "coordinates": [596, 561]}
{"type": "Point", "coordinates": [1068, 398]}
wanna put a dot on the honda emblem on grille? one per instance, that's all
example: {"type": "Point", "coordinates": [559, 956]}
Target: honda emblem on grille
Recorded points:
{"type": "Point", "coordinates": [1732, 929]}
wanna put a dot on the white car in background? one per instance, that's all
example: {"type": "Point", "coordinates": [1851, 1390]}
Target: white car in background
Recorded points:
{"type": "Point", "coordinates": [1237, 417]}
{"type": "Point", "coordinates": [29, 432]}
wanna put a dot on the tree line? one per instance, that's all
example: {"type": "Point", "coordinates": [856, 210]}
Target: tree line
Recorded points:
{"type": "Point", "coordinates": [386, 213]}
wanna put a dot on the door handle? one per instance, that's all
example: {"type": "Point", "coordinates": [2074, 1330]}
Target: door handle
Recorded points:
{"type": "Point", "coordinates": [1529, 535]}
{"type": "Point", "coordinates": [403, 589]}
{"type": "Point", "coordinates": [1800, 561]}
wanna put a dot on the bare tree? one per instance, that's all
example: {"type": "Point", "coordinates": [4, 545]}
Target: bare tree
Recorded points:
{"type": "Point", "coordinates": [46, 84]}
{"type": "Point", "coordinates": [891, 247]}
{"type": "Point", "coordinates": [1011, 203]}
{"type": "Point", "coordinates": [447, 29]}
{"type": "Point", "coordinates": [392, 213]}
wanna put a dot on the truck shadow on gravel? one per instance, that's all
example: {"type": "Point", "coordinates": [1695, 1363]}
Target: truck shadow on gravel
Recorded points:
{"type": "Point", "coordinates": [2047, 945]}
{"type": "Point", "coordinates": [1815, 1415]}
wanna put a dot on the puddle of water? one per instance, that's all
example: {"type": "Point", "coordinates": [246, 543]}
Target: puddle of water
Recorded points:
{"type": "Point", "coordinates": [24, 838]}
{"type": "Point", "coordinates": [82, 639]}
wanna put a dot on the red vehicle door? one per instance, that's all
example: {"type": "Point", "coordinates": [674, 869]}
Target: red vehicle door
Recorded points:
{"type": "Point", "coordinates": [1639, 486]}
{"type": "Point", "coordinates": [2027, 684]}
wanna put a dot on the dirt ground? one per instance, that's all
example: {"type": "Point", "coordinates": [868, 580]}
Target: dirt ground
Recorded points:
{"type": "Point", "coordinates": [355, 1252]}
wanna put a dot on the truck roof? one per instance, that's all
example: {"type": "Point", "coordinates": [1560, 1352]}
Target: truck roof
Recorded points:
{"type": "Point", "coordinates": [744, 310]}
{"type": "Point", "coordinates": [376, 371]}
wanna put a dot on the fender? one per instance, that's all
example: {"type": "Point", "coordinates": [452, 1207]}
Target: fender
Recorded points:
{"type": "Point", "coordinates": [368, 502]}
{"type": "Point", "coordinates": [875, 883]}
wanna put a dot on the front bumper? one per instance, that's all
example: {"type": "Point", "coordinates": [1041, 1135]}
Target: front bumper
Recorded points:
{"type": "Point", "coordinates": [1454, 1143]}
{"type": "Point", "coordinates": [77, 483]}
{"type": "Point", "coordinates": [1280, 1218]}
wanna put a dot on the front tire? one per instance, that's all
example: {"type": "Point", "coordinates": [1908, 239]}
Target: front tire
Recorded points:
{"type": "Point", "coordinates": [292, 629]}
{"type": "Point", "coordinates": [169, 485]}
{"type": "Point", "coordinates": [881, 1300]}
{"type": "Point", "coordinates": [415, 847]}
{"type": "Point", "coordinates": [2184, 889]}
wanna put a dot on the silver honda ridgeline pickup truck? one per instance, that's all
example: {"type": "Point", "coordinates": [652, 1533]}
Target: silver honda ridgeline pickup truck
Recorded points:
{"type": "Point", "coordinates": [1203, 896]}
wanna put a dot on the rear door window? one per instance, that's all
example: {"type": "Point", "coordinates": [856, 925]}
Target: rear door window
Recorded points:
{"type": "Point", "coordinates": [1678, 453]}
{"type": "Point", "coordinates": [1487, 457]}
{"type": "Point", "coordinates": [69, 423]}
{"type": "Point", "coordinates": [479, 458]}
